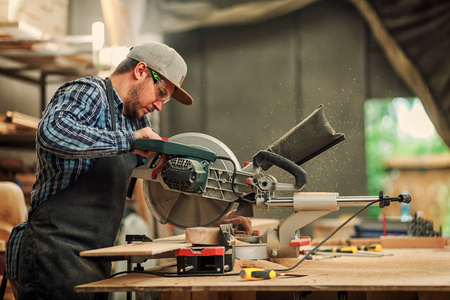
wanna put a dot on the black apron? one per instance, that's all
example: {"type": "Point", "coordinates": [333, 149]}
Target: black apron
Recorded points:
{"type": "Point", "coordinates": [84, 216]}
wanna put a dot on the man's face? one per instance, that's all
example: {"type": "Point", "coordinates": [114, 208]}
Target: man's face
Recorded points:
{"type": "Point", "coordinates": [146, 96]}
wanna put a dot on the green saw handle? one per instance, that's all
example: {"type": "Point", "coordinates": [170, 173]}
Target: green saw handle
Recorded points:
{"type": "Point", "coordinates": [174, 148]}
{"type": "Point", "coordinates": [283, 163]}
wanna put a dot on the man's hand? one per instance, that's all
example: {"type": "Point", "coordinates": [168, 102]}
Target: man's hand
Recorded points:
{"type": "Point", "coordinates": [147, 133]}
{"type": "Point", "coordinates": [232, 218]}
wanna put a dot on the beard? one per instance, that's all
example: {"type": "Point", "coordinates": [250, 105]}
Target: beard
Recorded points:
{"type": "Point", "coordinates": [132, 105]}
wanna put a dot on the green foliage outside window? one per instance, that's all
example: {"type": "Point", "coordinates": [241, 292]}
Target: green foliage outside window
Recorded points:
{"type": "Point", "coordinates": [386, 137]}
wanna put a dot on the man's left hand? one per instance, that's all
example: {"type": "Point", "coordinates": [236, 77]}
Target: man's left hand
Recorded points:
{"type": "Point", "coordinates": [232, 218]}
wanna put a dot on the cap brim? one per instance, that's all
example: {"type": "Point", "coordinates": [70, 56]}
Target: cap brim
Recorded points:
{"type": "Point", "coordinates": [180, 94]}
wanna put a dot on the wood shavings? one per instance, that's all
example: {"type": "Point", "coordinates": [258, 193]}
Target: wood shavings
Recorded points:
{"type": "Point", "coordinates": [263, 264]}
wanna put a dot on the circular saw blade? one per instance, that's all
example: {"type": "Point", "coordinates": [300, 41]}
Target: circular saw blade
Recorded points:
{"type": "Point", "coordinates": [190, 210]}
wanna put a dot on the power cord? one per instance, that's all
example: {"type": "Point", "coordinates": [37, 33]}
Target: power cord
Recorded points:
{"type": "Point", "coordinates": [312, 251]}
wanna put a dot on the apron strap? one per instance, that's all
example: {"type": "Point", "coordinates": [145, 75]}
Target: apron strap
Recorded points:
{"type": "Point", "coordinates": [3, 286]}
{"type": "Point", "coordinates": [110, 95]}
{"type": "Point", "coordinates": [109, 91]}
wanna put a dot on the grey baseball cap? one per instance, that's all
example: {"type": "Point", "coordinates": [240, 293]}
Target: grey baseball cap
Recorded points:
{"type": "Point", "coordinates": [165, 61]}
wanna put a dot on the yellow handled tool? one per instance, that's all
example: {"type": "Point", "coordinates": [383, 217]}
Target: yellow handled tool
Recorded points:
{"type": "Point", "coordinates": [348, 249]}
{"type": "Point", "coordinates": [257, 274]}
{"type": "Point", "coordinates": [260, 274]}
{"type": "Point", "coordinates": [374, 248]}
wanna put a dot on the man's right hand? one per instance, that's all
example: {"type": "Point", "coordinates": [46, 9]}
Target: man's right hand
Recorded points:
{"type": "Point", "coordinates": [147, 133]}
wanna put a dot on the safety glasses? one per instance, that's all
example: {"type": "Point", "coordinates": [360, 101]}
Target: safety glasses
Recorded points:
{"type": "Point", "coordinates": [162, 93]}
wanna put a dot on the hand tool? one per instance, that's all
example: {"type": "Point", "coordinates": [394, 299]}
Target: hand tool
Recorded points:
{"type": "Point", "coordinates": [194, 179]}
{"type": "Point", "coordinates": [347, 249]}
{"type": "Point", "coordinates": [260, 274]}
{"type": "Point", "coordinates": [374, 248]}
{"type": "Point", "coordinates": [357, 254]}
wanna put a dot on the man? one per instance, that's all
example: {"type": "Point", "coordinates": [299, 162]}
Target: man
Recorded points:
{"type": "Point", "coordinates": [85, 151]}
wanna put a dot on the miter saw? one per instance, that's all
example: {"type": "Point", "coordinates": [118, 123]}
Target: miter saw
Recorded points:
{"type": "Point", "coordinates": [193, 179]}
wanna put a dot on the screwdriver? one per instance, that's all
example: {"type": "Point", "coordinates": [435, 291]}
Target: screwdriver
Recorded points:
{"type": "Point", "coordinates": [374, 248]}
{"type": "Point", "coordinates": [348, 249]}
{"type": "Point", "coordinates": [260, 274]}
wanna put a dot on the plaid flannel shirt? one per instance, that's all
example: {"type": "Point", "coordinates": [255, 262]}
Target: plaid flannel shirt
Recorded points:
{"type": "Point", "coordinates": [73, 133]}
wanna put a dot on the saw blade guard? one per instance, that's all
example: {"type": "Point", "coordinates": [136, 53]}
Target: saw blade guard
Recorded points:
{"type": "Point", "coordinates": [190, 209]}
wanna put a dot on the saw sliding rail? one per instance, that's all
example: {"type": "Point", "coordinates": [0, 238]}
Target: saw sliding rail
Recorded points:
{"type": "Point", "coordinates": [342, 201]}
{"type": "Point", "coordinates": [308, 207]}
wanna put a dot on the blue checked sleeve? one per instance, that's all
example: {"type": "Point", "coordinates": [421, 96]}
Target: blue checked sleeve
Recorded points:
{"type": "Point", "coordinates": [77, 124]}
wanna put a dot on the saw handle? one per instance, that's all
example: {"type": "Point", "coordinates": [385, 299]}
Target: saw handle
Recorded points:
{"type": "Point", "coordinates": [281, 162]}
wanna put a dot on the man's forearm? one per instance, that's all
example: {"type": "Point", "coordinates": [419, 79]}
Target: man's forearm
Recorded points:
{"type": "Point", "coordinates": [66, 138]}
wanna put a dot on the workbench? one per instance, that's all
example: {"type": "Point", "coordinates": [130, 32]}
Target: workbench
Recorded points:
{"type": "Point", "coordinates": [406, 274]}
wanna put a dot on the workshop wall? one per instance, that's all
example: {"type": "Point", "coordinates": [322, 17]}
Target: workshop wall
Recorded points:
{"type": "Point", "coordinates": [253, 83]}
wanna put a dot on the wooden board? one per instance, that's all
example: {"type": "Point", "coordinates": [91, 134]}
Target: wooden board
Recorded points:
{"type": "Point", "coordinates": [163, 245]}
{"type": "Point", "coordinates": [147, 248]}
{"type": "Point", "coordinates": [412, 242]}
{"type": "Point", "coordinates": [406, 270]}
{"type": "Point", "coordinates": [203, 235]}
{"type": "Point", "coordinates": [22, 119]}
{"type": "Point", "coordinates": [179, 238]}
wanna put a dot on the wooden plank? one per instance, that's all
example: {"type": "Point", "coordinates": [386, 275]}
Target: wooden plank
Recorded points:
{"type": "Point", "coordinates": [179, 238]}
{"type": "Point", "coordinates": [203, 235]}
{"type": "Point", "coordinates": [22, 119]}
{"type": "Point", "coordinates": [163, 245]}
{"type": "Point", "coordinates": [412, 242]}
{"type": "Point", "coordinates": [258, 224]}
{"type": "Point", "coordinates": [435, 161]}
{"type": "Point", "coordinates": [147, 248]}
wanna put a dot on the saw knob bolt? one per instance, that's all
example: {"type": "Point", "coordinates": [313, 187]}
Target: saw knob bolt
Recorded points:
{"type": "Point", "coordinates": [383, 201]}
{"type": "Point", "coordinates": [405, 198]}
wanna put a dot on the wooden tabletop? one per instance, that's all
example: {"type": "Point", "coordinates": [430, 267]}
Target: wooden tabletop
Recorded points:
{"type": "Point", "coordinates": [405, 270]}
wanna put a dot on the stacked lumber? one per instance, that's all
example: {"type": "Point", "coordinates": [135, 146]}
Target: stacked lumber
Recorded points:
{"type": "Point", "coordinates": [20, 119]}
{"type": "Point", "coordinates": [17, 130]}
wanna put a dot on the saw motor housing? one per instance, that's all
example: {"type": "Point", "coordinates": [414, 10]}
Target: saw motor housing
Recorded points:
{"type": "Point", "coordinates": [185, 175]}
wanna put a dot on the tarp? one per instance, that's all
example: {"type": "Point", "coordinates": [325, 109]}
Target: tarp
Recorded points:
{"type": "Point", "coordinates": [177, 16]}
{"type": "Point", "coordinates": [415, 36]}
